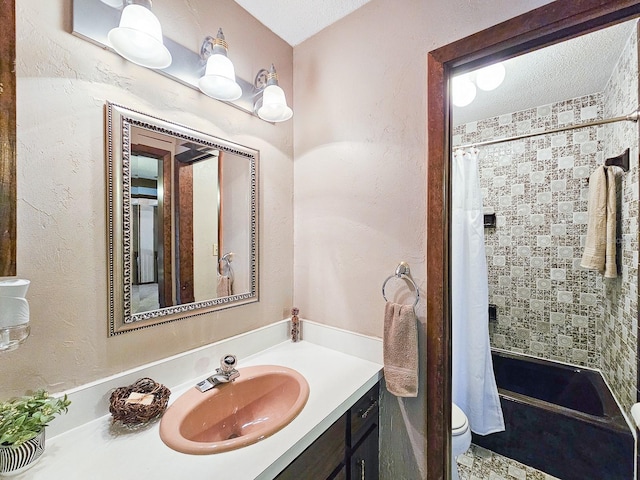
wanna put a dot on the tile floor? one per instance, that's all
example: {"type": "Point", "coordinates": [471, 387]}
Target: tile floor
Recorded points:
{"type": "Point", "coordinates": [481, 464]}
{"type": "Point", "coordinates": [144, 297]}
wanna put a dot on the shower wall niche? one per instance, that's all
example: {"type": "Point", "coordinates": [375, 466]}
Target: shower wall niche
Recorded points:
{"type": "Point", "coordinates": [547, 305]}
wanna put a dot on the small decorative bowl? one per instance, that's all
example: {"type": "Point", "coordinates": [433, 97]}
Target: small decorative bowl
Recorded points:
{"type": "Point", "coordinates": [130, 405]}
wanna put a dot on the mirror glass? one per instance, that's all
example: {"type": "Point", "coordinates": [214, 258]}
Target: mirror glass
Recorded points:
{"type": "Point", "coordinates": [562, 330]}
{"type": "Point", "coordinates": [182, 221]}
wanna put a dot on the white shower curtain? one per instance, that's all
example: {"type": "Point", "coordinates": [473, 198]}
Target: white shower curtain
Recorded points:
{"type": "Point", "coordinates": [474, 386]}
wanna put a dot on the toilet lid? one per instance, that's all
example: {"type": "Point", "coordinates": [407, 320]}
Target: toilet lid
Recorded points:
{"type": "Point", "coordinates": [459, 422]}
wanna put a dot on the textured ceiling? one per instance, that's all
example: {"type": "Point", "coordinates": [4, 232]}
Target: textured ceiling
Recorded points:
{"type": "Point", "coordinates": [570, 69]}
{"type": "Point", "coordinates": [296, 20]}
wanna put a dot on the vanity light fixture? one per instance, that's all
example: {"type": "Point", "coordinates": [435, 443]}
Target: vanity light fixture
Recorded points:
{"type": "Point", "coordinates": [138, 37]}
{"type": "Point", "coordinates": [219, 79]}
{"type": "Point", "coordinates": [129, 28]}
{"type": "Point", "coordinates": [272, 106]}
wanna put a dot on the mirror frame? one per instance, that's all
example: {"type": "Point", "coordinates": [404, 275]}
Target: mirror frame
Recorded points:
{"type": "Point", "coordinates": [119, 121]}
{"type": "Point", "coordinates": [8, 197]}
{"type": "Point", "coordinates": [549, 24]}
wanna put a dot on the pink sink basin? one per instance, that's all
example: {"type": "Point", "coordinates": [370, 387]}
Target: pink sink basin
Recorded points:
{"type": "Point", "coordinates": [260, 402]}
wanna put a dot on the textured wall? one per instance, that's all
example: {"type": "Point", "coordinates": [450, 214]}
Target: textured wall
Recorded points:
{"type": "Point", "coordinates": [360, 172]}
{"type": "Point", "coordinates": [547, 305]}
{"type": "Point", "coordinates": [360, 142]}
{"type": "Point", "coordinates": [619, 323]}
{"type": "Point", "coordinates": [63, 83]}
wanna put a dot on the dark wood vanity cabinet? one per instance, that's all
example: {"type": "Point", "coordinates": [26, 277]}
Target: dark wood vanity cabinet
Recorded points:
{"type": "Point", "coordinates": [364, 459]}
{"type": "Point", "coordinates": [362, 437]}
{"type": "Point", "coordinates": [347, 450]}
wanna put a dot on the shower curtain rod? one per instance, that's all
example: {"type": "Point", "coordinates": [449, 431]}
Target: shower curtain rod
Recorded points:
{"type": "Point", "coordinates": [632, 117]}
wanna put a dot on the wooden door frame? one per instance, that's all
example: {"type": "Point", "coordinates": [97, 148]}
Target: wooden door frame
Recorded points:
{"type": "Point", "coordinates": [165, 209]}
{"type": "Point", "coordinates": [552, 23]}
{"type": "Point", "coordinates": [184, 225]}
{"type": "Point", "coordinates": [8, 196]}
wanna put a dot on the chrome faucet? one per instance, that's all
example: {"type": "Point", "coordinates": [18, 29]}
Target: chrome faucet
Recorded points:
{"type": "Point", "coordinates": [225, 374]}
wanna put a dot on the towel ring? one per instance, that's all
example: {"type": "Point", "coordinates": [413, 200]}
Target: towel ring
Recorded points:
{"type": "Point", "coordinates": [402, 271]}
{"type": "Point", "coordinates": [224, 264]}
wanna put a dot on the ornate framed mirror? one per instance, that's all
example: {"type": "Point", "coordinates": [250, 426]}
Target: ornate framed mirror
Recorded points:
{"type": "Point", "coordinates": [182, 221]}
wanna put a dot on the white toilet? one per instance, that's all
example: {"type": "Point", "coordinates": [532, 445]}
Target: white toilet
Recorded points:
{"type": "Point", "coordinates": [460, 437]}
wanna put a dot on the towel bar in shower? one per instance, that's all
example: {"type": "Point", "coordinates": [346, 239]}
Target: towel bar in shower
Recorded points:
{"type": "Point", "coordinates": [621, 161]}
{"type": "Point", "coordinates": [402, 271]}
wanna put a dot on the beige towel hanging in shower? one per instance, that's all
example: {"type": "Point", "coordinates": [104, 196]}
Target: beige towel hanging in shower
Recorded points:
{"type": "Point", "coordinates": [600, 247]}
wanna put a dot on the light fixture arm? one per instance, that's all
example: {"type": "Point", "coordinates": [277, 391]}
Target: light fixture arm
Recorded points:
{"type": "Point", "coordinates": [272, 76]}
{"type": "Point", "coordinates": [260, 82]}
{"type": "Point", "coordinates": [214, 46]}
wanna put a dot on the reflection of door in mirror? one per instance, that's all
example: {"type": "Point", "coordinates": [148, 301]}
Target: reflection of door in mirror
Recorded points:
{"type": "Point", "coordinates": [235, 205]}
{"type": "Point", "coordinates": [162, 276]}
{"type": "Point", "coordinates": [151, 158]}
{"type": "Point", "coordinates": [197, 221]}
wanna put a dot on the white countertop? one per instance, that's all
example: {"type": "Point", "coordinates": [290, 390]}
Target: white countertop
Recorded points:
{"type": "Point", "coordinates": [99, 451]}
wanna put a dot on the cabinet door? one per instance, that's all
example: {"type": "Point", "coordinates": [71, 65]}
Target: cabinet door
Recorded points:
{"type": "Point", "coordinates": [364, 414]}
{"type": "Point", "coordinates": [364, 459]}
{"type": "Point", "coordinates": [341, 474]}
{"type": "Point", "coordinates": [322, 458]}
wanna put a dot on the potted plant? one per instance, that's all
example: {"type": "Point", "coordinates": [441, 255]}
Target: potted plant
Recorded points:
{"type": "Point", "coordinates": [22, 425]}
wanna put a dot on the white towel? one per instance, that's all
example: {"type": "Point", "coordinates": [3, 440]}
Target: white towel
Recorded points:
{"type": "Point", "coordinates": [400, 350]}
{"type": "Point", "coordinates": [600, 247]}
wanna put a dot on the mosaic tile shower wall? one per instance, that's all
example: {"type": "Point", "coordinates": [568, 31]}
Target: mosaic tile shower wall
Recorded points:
{"type": "Point", "coordinates": [537, 187]}
{"type": "Point", "coordinates": [620, 328]}
{"type": "Point", "coordinates": [548, 306]}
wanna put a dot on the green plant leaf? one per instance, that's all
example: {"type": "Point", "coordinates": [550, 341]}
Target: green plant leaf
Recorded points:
{"type": "Point", "coordinates": [23, 418]}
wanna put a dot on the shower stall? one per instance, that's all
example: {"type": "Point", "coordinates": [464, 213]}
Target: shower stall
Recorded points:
{"type": "Point", "coordinates": [554, 319]}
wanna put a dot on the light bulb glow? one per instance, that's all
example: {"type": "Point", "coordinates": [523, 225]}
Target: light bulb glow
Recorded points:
{"type": "Point", "coordinates": [463, 91]}
{"type": "Point", "coordinates": [138, 38]}
{"type": "Point", "coordinates": [490, 77]}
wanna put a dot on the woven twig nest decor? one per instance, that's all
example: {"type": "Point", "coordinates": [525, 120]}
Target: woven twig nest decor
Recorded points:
{"type": "Point", "coordinates": [140, 402]}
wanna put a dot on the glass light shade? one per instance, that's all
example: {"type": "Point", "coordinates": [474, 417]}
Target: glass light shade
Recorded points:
{"type": "Point", "coordinates": [463, 91]}
{"type": "Point", "coordinates": [219, 80]}
{"type": "Point", "coordinates": [274, 105]}
{"type": "Point", "coordinates": [490, 78]}
{"type": "Point", "coordinates": [138, 38]}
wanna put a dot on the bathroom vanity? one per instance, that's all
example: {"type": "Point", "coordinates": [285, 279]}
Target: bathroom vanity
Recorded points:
{"type": "Point", "coordinates": [339, 421]}
{"type": "Point", "coordinates": [348, 449]}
